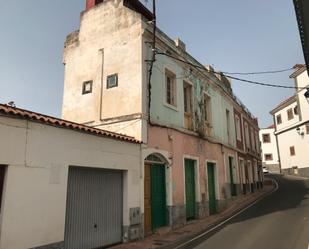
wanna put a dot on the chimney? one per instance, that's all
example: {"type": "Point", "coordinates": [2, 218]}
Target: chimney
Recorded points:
{"type": "Point", "coordinates": [180, 44]}
{"type": "Point", "coordinates": [209, 68]}
{"type": "Point", "coordinates": [91, 3]}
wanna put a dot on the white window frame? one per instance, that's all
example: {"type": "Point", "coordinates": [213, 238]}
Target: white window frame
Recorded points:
{"type": "Point", "coordinates": [171, 74]}
{"type": "Point", "coordinates": [190, 85]}
{"type": "Point", "coordinates": [252, 139]}
{"type": "Point", "coordinates": [238, 128]}
{"type": "Point", "coordinates": [247, 135]}
{"type": "Point", "coordinates": [207, 108]}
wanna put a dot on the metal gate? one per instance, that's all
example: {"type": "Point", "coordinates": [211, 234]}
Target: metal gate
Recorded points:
{"type": "Point", "coordinates": [190, 189]}
{"type": "Point", "coordinates": [158, 196]}
{"type": "Point", "coordinates": [94, 208]}
{"type": "Point", "coordinates": [212, 188]}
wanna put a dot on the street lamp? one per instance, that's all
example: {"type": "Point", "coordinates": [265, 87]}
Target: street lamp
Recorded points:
{"type": "Point", "coordinates": [307, 95]}
{"type": "Point", "coordinates": [301, 133]}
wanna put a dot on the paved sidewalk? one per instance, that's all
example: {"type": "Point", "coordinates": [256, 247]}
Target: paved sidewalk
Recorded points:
{"type": "Point", "coordinates": [172, 238]}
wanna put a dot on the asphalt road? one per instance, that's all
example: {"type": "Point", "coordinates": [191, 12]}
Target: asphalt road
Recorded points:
{"type": "Point", "coordinates": [280, 221]}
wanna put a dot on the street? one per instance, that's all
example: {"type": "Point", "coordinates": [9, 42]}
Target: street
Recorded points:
{"type": "Point", "coordinates": [280, 221]}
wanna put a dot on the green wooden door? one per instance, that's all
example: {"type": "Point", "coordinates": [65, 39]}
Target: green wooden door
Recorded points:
{"type": "Point", "coordinates": [158, 196]}
{"type": "Point", "coordinates": [211, 188]}
{"type": "Point", "coordinates": [190, 189]}
{"type": "Point", "coordinates": [233, 186]}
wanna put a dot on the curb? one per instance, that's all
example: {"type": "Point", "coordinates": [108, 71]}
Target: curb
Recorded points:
{"type": "Point", "coordinates": [183, 243]}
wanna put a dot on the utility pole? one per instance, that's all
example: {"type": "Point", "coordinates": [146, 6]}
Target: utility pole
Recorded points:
{"type": "Point", "coordinates": [153, 59]}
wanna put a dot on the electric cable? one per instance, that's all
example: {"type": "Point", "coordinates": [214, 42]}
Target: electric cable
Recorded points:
{"type": "Point", "coordinates": [229, 76]}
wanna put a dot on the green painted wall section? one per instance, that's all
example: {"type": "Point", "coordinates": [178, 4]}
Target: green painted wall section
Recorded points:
{"type": "Point", "coordinates": [164, 114]}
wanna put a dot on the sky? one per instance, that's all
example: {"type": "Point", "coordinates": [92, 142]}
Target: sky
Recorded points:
{"type": "Point", "coordinates": [232, 36]}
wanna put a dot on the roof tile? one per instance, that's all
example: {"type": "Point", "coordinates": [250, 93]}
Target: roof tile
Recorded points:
{"type": "Point", "coordinates": [48, 120]}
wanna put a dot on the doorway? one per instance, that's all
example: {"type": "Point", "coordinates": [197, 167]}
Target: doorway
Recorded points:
{"type": "Point", "coordinates": [233, 185]}
{"type": "Point", "coordinates": [190, 188]}
{"type": "Point", "coordinates": [212, 188]}
{"type": "Point", "coordinates": [94, 208]}
{"type": "Point", "coordinates": [2, 176]}
{"type": "Point", "coordinates": [155, 212]}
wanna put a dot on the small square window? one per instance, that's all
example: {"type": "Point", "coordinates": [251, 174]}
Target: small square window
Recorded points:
{"type": "Point", "coordinates": [87, 87]}
{"type": "Point", "coordinates": [268, 157]}
{"type": "Point", "coordinates": [266, 138]}
{"type": "Point", "coordinates": [112, 81]}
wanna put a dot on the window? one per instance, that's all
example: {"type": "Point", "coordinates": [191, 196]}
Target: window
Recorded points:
{"type": "Point", "coordinates": [87, 87]}
{"type": "Point", "coordinates": [296, 110]}
{"type": "Point", "coordinates": [112, 81]}
{"type": "Point", "coordinates": [170, 88]}
{"type": "Point", "coordinates": [268, 157]}
{"type": "Point", "coordinates": [257, 142]}
{"type": "Point", "coordinates": [227, 114]}
{"type": "Point", "coordinates": [292, 151]}
{"type": "Point", "coordinates": [266, 138]}
{"type": "Point", "coordinates": [307, 128]}
{"type": "Point", "coordinates": [238, 128]}
{"type": "Point", "coordinates": [247, 136]}
{"type": "Point", "coordinates": [252, 140]}
{"type": "Point", "coordinates": [279, 119]}
{"type": "Point", "coordinates": [187, 97]}
{"type": "Point", "coordinates": [290, 114]}
{"type": "Point", "coordinates": [207, 108]}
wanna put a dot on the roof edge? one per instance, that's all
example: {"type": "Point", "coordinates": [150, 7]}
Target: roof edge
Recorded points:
{"type": "Point", "coordinates": [299, 69]}
{"type": "Point", "coordinates": [61, 123]}
{"type": "Point", "coordinates": [283, 104]}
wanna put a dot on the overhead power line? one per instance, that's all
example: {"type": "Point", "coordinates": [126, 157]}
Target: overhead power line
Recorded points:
{"type": "Point", "coordinates": [263, 72]}
{"type": "Point", "coordinates": [229, 76]}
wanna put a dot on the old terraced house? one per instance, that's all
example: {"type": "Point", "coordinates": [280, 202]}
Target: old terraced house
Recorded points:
{"type": "Point", "coordinates": [189, 146]}
{"type": "Point", "coordinates": [200, 143]}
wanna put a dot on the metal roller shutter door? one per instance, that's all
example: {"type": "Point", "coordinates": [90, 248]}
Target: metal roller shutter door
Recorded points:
{"type": "Point", "coordinates": [94, 208]}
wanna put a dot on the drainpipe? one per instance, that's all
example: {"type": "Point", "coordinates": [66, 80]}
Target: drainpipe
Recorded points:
{"type": "Point", "coordinates": [277, 143]}
{"type": "Point", "coordinates": [102, 80]}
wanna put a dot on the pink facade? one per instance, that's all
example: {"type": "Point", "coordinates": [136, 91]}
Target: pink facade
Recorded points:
{"type": "Point", "coordinates": [181, 145]}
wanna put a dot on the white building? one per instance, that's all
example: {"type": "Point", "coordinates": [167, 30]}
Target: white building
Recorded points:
{"type": "Point", "coordinates": [292, 127]}
{"type": "Point", "coordinates": [65, 185]}
{"type": "Point", "coordinates": [269, 149]}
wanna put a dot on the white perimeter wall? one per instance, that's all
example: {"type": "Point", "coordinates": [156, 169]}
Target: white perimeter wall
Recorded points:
{"type": "Point", "coordinates": [38, 157]}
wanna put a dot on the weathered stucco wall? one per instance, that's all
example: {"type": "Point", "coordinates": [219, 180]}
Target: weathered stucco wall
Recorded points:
{"type": "Point", "coordinates": [37, 158]}
{"type": "Point", "coordinates": [179, 146]}
{"type": "Point", "coordinates": [109, 42]}
{"type": "Point", "coordinates": [303, 81]}
{"type": "Point", "coordinates": [301, 144]}
{"type": "Point", "coordinates": [165, 114]}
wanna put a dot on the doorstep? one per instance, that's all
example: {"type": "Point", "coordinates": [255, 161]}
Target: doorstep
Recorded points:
{"type": "Point", "coordinates": [178, 236]}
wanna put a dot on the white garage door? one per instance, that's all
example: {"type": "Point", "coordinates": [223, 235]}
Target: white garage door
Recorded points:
{"type": "Point", "coordinates": [94, 208]}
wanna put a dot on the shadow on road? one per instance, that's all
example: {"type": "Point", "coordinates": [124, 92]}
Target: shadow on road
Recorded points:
{"type": "Point", "coordinates": [292, 193]}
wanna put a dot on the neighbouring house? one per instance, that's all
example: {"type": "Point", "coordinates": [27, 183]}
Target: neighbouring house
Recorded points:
{"type": "Point", "coordinates": [269, 149]}
{"type": "Point", "coordinates": [302, 16]}
{"type": "Point", "coordinates": [200, 143]}
{"type": "Point", "coordinates": [292, 127]}
{"type": "Point", "coordinates": [66, 185]}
